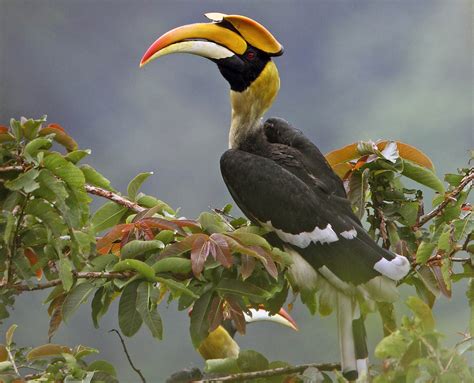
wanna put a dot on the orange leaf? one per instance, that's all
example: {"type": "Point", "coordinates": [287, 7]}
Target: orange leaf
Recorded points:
{"type": "Point", "coordinates": [409, 152]}
{"type": "Point", "coordinates": [3, 129]}
{"type": "Point", "coordinates": [350, 152]}
{"type": "Point", "coordinates": [60, 136]}
{"type": "Point", "coordinates": [105, 243]}
{"type": "Point", "coordinates": [33, 259]}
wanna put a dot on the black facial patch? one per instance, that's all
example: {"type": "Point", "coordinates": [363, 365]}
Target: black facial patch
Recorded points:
{"type": "Point", "coordinates": [241, 70]}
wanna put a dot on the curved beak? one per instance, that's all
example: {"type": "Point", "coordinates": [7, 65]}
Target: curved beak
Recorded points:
{"type": "Point", "coordinates": [282, 318]}
{"type": "Point", "coordinates": [208, 40]}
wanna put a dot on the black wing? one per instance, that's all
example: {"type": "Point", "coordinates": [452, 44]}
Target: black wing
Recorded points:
{"type": "Point", "coordinates": [291, 188]}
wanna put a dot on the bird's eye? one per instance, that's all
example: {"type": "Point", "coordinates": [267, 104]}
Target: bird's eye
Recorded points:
{"type": "Point", "coordinates": [250, 55]}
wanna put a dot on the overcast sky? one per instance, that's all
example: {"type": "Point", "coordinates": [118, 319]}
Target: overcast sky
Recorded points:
{"type": "Point", "coordinates": [351, 70]}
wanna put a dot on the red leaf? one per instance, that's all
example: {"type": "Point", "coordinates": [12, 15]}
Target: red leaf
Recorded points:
{"type": "Point", "coordinates": [105, 243]}
{"type": "Point", "coordinates": [199, 253]}
{"type": "Point", "coordinates": [247, 266]}
{"type": "Point", "coordinates": [162, 224]}
{"type": "Point", "coordinates": [236, 314]}
{"type": "Point", "coordinates": [269, 265]}
{"type": "Point", "coordinates": [221, 250]}
{"type": "Point", "coordinates": [216, 316]}
{"type": "Point", "coordinates": [182, 246]}
{"type": "Point", "coordinates": [147, 233]}
{"type": "Point", "coordinates": [186, 223]}
{"type": "Point", "coordinates": [3, 129]}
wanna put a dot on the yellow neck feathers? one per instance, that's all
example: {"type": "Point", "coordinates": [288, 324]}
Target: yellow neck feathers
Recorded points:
{"type": "Point", "coordinates": [249, 106]}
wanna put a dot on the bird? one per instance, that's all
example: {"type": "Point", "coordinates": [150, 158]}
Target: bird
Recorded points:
{"type": "Point", "coordinates": [220, 343]}
{"type": "Point", "coordinates": [282, 182]}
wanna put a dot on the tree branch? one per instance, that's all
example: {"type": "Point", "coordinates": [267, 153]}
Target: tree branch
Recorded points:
{"type": "Point", "coordinates": [273, 372]}
{"type": "Point", "coordinates": [447, 199]}
{"type": "Point", "coordinates": [55, 282]}
{"type": "Point", "coordinates": [11, 168]}
{"type": "Point", "coordinates": [92, 190]}
{"type": "Point", "coordinates": [115, 197]}
{"type": "Point", "coordinates": [128, 355]}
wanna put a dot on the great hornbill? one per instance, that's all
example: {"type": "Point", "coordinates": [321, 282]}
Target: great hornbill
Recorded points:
{"type": "Point", "coordinates": [281, 181]}
{"type": "Point", "coordinates": [220, 343]}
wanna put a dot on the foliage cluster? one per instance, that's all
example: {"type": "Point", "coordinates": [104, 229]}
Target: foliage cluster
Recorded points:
{"type": "Point", "coordinates": [137, 249]}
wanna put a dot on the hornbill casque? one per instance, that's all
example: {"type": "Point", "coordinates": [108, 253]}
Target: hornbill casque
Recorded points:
{"type": "Point", "coordinates": [220, 343]}
{"type": "Point", "coordinates": [281, 181]}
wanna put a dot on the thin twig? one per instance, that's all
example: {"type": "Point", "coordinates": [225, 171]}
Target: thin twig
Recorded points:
{"type": "Point", "coordinates": [115, 197]}
{"type": "Point", "coordinates": [12, 360]}
{"type": "Point", "coordinates": [447, 199]}
{"type": "Point", "coordinates": [11, 168]}
{"type": "Point", "coordinates": [273, 372]}
{"type": "Point", "coordinates": [128, 355]}
{"type": "Point", "coordinates": [55, 282]}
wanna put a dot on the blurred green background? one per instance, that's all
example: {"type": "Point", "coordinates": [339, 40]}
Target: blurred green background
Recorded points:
{"type": "Point", "coordinates": [352, 70]}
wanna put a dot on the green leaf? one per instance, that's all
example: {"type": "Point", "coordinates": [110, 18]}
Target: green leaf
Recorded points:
{"type": "Point", "coordinates": [135, 185]}
{"type": "Point", "coordinates": [102, 365]}
{"type": "Point", "coordinates": [422, 312]}
{"type": "Point", "coordinates": [393, 345]}
{"type": "Point", "coordinates": [134, 264]}
{"type": "Point", "coordinates": [93, 177]}
{"type": "Point", "coordinates": [130, 319]}
{"type": "Point", "coordinates": [444, 241]}
{"type": "Point", "coordinates": [75, 298]}
{"type": "Point", "coordinates": [46, 351]}
{"type": "Point", "coordinates": [148, 312]}
{"type": "Point", "coordinates": [25, 181]}
{"type": "Point", "coordinates": [165, 236]}
{"type": "Point", "coordinates": [409, 212]}
{"type": "Point", "coordinates": [212, 223]}
{"type": "Point", "coordinates": [236, 287]}
{"type": "Point", "coordinates": [250, 239]}
{"type": "Point", "coordinates": [65, 170]}
{"type": "Point", "coordinates": [137, 247]}
{"type": "Point", "coordinates": [46, 213]}
{"type": "Point", "coordinates": [199, 326]}
{"type": "Point", "coordinates": [31, 127]}
{"type": "Point", "coordinates": [9, 334]}
{"type": "Point", "coordinates": [172, 265]}
{"type": "Point", "coordinates": [15, 127]}
{"type": "Point", "coordinates": [6, 365]}
{"type": "Point", "coordinates": [424, 252]}
{"type": "Point", "coordinates": [65, 273]}
{"type": "Point", "coordinates": [151, 202]}
{"type": "Point", "coordinates": [453, 179]}
{"type": "Point", "coordinates": [76, 155]}
{"type": "Point", "coordinates": [10, 224]}
{"type": "Point", "coordinates": [249, 361]}
{"type": "Point", "coordinates": [358, 186]}
{"type": "Point", "coordinates": [222, 366]}
{"type": "Point", "coordinates": [309, 299]}
{"type": "Point", "coordinates": [173, 285]}
{"type": "Point", "coordinates": [108, 215]}
{"type": "Point", "coordinates": [422, 175]}
{"type": "Point", "coordinates": [33, 147]}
